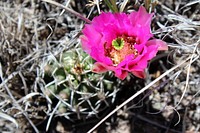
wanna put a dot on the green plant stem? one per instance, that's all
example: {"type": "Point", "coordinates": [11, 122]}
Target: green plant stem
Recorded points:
{"type": "Point", "coordinates": [111, 5]}
{"type": "Point", "coordinates": [147, 4]}
{"type": "Point", "coordinates": [113, 2]}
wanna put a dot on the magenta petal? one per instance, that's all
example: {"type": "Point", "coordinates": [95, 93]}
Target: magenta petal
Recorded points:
{"type": "Point", "coordinates": [139, 74]}
{"type": "Point", "coordinates": [151, 52]}
{"type": "Point", "coordinates": [122, 74]}
{"type": "Point", "coordinates": [98, 54]}
{"type": "Point", "coordinates": [144, 17]}
{"type": "Point", "coordinates": [85, 45]}
{"type": "Point", "coordinates": [161, 44]}
{"type": "Point", "coordinates": [102, 20]}
{"type": "Point", "coordinates": [141, 18]}
{"type": "Point", "coordinates": [99, 68]}
{"type": "Point", "coordinates": [141, 21]}
{"type": "Point", "coordinates": [134, 28]}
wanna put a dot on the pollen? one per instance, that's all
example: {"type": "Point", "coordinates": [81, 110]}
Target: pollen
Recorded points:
{"type": "Point", "coordinates": [118, 55]}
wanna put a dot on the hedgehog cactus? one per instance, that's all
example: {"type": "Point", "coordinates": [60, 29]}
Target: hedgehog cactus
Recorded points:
{"type": "Point", "coordinates": [80, 90]}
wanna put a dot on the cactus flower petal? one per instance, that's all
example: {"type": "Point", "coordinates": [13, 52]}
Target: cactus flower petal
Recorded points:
{"type": "Point", "coordinates": [139, 74]}
{"type": "Point", "coordinates": [99, 68]}
{"type": "Point", "coordinates": [121, 42]}
{"type": "Point", "coordinates": [161, 44]}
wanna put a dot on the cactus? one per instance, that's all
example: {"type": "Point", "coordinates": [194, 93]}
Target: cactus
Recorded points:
{"type": "Point", "coordinates": [81, 91]}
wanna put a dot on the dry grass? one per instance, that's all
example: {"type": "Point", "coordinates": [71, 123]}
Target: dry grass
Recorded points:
{"type": "Point", "coordinates": [35, 34]}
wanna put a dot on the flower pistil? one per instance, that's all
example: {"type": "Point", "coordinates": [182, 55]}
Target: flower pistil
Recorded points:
{"type": "Point", "coordinates": [121, 47]}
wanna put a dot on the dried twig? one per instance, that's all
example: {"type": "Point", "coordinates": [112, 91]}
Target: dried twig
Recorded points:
{"type": "Point", "coordinates": [69, 10]}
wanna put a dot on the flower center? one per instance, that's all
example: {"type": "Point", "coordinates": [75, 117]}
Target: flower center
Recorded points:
{"type": "Point", "coordinates": [118, 43]}
{"type": "Point", "coordinates": [121, 47]}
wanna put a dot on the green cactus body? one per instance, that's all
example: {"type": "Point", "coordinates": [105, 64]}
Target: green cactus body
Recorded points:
{"type": "Point", "coordinates": [82, 91]}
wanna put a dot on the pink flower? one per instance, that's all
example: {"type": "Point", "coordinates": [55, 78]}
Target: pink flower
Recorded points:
{"type": "Point", "coordinates": [121, 42]}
